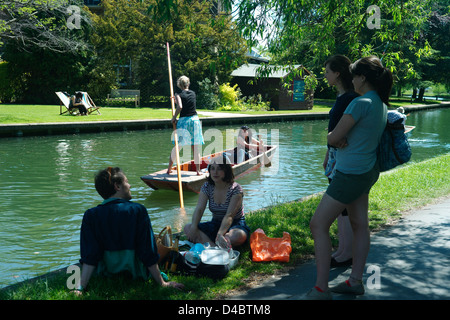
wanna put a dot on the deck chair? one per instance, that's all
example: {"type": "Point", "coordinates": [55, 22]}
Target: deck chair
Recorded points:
{"type": "Point", "coordinates": [89, 103]}
{"type": "Point", "coordinates": [64, 100]}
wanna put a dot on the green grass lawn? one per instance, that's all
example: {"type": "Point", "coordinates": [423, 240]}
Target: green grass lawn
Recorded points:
{"type": "Point", "coordinates": [10, 114]}
{"type": "Point", "coordinates": [15, 113]}
{"type": "Point", "coordinates": [50, 113]}
{"type": "Point", "coordinates": [396, 192]}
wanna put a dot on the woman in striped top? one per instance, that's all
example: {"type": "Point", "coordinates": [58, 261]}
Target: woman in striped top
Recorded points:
{"type": "Point", "coordinates": [224, 196]}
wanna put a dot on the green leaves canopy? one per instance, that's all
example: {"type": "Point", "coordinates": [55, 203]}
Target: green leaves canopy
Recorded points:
{"type": "Point", "coordinates": [202, 44]}
{"type": "Point", "coordinates": [307, 32]}
{"type": "Point", "coordinates": [42, 24]}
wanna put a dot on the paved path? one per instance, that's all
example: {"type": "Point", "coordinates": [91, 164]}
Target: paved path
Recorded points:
{"type": "Point", "coordinates": [412, 259]}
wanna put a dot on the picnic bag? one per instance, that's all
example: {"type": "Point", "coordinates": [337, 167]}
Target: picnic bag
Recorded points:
{"type": "Point", "coordinates": [394, 148]}
{"type": "Point", "coordinates": [164, 242]}
{"type": "Point", "coordinates": [270, 249]}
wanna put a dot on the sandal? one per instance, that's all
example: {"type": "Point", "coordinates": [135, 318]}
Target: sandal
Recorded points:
{"type": "Point", "coordinates": [315, 294]}
{"type": "Point", "coordinates": [346, 288]}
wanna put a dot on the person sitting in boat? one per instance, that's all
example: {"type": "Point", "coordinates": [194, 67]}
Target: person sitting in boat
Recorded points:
{"type": "Point", "coordinates": [117, 235]}
{"type": "Point", "coordinates": [247, 146]}
{"type": "Point", "coordinates": [395, 115]}
{"type": "Point", "coordinates": [224, 196]}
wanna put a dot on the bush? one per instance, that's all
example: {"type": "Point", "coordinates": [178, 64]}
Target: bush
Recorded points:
{"type": "Point", "coordinates": [256, 103]}
{"type": "Point", "coordinates": [231, 100]}
{"type": "Point", "coordinates": [229, 96]}
{"type": "Point", "coordinates": [6, 92]}
{"type": "Point", "coordinates": [207, 95]}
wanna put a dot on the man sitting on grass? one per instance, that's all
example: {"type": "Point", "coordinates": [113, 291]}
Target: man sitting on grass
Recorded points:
{"type": "Point", "coordinates": [117, 235]}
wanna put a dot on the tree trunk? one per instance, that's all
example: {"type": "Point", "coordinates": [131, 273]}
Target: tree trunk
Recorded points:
{"type": "Point", "coordinates": [414, 94]}
{"type": "Point", "coordinates": [421, 94]}
{"type": "Point", "coordinates": [399, 91]}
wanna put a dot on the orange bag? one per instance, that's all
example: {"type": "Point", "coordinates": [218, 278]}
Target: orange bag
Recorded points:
{"type": "Point", "coordinates": [270, 249]}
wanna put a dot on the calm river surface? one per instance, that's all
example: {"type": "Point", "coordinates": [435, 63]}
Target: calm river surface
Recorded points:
{"type": "Point", "coordinates": [46, 183]}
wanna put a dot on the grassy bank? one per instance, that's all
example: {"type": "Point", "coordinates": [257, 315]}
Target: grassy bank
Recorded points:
{"type": "Point", "coordinates": [16, 113]}
{"type": "Point", "coordinates": [396, 192]}
{"type": "Point", "coordinates": [11, 114]}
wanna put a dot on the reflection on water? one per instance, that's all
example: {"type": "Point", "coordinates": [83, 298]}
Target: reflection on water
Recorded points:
{"type": "Point", "coordinates": [47, 183]}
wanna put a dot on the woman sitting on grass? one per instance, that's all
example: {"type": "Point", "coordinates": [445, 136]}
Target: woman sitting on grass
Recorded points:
{"type": "Point", "coordinates": [227, 227]}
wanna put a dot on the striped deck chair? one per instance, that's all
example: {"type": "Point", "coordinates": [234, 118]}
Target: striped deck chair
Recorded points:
{"type": "Point", "coordinates": [89, 103]}
{"type": "Point", "coordinates": [65, 101]}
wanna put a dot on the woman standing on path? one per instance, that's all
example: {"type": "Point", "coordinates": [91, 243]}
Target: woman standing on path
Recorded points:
{"type": "Point", "coordinates": [189, 127]}
{"type": "Point", "coordinates": [356, 136]}
{"type": "Point", "coordinates": [337, 73]}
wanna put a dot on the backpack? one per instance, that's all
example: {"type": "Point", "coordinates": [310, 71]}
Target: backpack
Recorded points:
{"type": "Point", "coordinates": [394, 148]}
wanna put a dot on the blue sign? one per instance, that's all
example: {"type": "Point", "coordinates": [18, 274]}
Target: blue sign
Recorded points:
{"type": "Point", "coordinates": [299, 91]}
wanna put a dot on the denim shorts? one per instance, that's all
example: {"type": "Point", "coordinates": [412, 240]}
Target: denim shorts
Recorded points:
{"type": "Point", "coordinates": [211, 228]}
{"type": "Point", "coordinates": [347, 188]}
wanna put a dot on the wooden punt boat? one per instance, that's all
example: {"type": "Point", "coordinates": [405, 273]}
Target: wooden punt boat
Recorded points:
{"type": "Point", "coordinates": [409, 129]}
{"type": "Point", "coordinates": [193, 182]}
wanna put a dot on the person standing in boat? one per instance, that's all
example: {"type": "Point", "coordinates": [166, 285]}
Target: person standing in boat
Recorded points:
{"type": "Point", "coordinates": [395, 116]}
{"type": "Point", "coordinates": [189, 127]}
{"type": "Point", "coordinates": [117, 235]}
{"type": "Point", "coordinates": [337, 73]}
{"type": "Point", "coordinates": [225, 198]}
{"type": "Point", "coordinates": [356, 136]}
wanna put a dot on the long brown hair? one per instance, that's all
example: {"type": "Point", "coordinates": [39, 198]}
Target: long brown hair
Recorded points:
{"type": "Point", "coordinates": [341, 64]}
{"type": "Point", "coordinates": [377, 75]}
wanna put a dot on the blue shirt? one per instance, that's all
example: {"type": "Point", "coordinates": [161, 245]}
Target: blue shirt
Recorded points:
{"type": "Point", "coordinates": [369, 114]}
{"type": "Point", "coordinates": [115, 229]}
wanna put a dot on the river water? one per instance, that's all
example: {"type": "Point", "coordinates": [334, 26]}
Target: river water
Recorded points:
{"type": "Point", "coordinates": [46, 182]}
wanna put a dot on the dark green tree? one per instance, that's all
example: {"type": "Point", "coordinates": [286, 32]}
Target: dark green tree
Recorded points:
{"type": "Point", "coordinates": [202, 44]}
{"type": "Point", "coordinates": [44, 51]}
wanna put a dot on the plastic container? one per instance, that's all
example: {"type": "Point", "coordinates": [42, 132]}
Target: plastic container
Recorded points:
{"type": "Point", "coordinates": [198, 248]}
{"type": "Point", "coordinates": [215, 257]}
{"type": "Point", "coordinates": [234, 260]}
{"type": "Point", "coordinates": [192, 257]}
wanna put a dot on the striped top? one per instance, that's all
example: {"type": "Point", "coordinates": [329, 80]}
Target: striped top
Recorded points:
{"type": "Point", "coordinates": [219, 210]}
